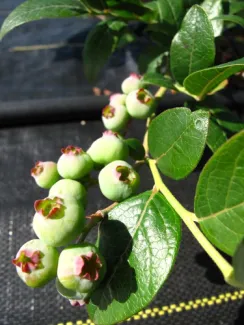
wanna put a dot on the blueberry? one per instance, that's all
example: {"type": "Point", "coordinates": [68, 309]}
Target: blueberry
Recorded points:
{"type": "Point", "coordinates": [74, 163]}
{"type": "Point", "coordinates": [36, 263]}
{"type": "Point", "coordinates": [118, 181]}
{"type": "Point", "coordinates": [108, 148]}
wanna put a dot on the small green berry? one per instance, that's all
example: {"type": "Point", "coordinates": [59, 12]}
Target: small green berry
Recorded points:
{"type": "Point", "coordinates": [36, 263]}
{"type": "Point", "coordinates": [118, 181]}
{"type": "Point", "coordinates": [115, 118]}
{"type": "Point", "coordinates": [140, 104]}
{"type": "Point", "coordinates": [66, 187]}
{"type": "Point", "coordinates": [81, 268]}
{"type": "Point", "coordinates": [58, 221]}
{"type": "Point", "coordinates": [74, 163]}
{"type": "Point", "coordinates": [45, 173]}
{"type": "Point", "coordinates": [108, 148]}
{"type": "Point", "coordinates": [75, 298]}
{"type": "Point", "coordinates": [117, 99]}
{"type": "Point", "coordinates": [133, 82]}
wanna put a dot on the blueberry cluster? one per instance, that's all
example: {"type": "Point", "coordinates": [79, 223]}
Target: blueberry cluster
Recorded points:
{"type": "Point", "coordinates": [60, 218]}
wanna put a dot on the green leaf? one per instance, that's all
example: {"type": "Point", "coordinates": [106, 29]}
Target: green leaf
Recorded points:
{"type": "Point", "coordinates": [131, 11]}
{"type": "Point", "coordinates": [35, 9]}
{"type": "Point", "coordinates": [98, 47]}
{"type": "Point", "coordinates": [219, 200]}
{"type": "Point", "coordinates": [151, 58]}
{"type": "Point", "coordinates": [232, 18]}
{"type": "Point", "coordinates": [214, 8]}
{"type": "Point", "coordinates": [189, 3]}
{"type": "Point", "coordinates": [136, 149]}
{"type": "Point", "coordinates": [202, 82]}
{"type": "Point", "coordinates": [238, 263]}
{"type": "Point", "coordinates": [96, 5]}
{"type": "Point", "coordinates": [177, 139]}
{"type": "Point", "coordinates": [216, 136]}
{"type": "Point", "coordinates": [140, 242]}
{"type": "Point", "coordinates": [193, 46]}
{"type": "Point", "coordinates": [227, 119]}
{"type": "Point", "coordinates": [236, 7]}
{"type": "Point", "coordinates": [170, 11]}
{"type": "Point", "coordinates": [116, 25]}
{"type": "Point", "coordinates": [158, 80]}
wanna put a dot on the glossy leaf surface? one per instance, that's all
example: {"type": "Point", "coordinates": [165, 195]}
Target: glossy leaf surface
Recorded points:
{"type": "Point", "coordinates": [177, 139]}
{"type": "Point", "coordinates": [140, 242]}
{"type": "Point", "coordinates": [35, 9]}
{"type": "Point", "coordinates": [219, 201]}
{"type": "Point", "coordinates": [193, 46]}
{"type": "Point", "coordinates": [202, 82]}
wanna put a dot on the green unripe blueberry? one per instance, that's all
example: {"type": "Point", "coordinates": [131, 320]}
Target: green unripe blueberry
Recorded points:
{"type": "Point", "coordinates": [81, 268]}
{"type": "Point", "coordinates": [133, 82]}
{"type": "Point", "coordinates": [115, 117]}
{"type": "Point", "coordinates": [140, 104]}
{"type": "Point", "coordinates": [58, 221]}
{"type": "Point", "coordinates": [75, 298]}
{"type": "Point", "coordinates": [74, 163]}
{"type": "Point", "coordinates": [36, 263]}
{"type": "Point", "coordinates": [69, 187]}
{"type": "Point", "coordinates": [108, 148]}
{"type": "Point", "coordinates": [45, 173]}
{"type": "Point", "coordinates": [118, 181]}
{"type": "Point", "coordinates": [117, 99]}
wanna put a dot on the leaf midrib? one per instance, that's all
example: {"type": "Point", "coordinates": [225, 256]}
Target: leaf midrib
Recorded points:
{"type": "Point", "coordinates": [173, 144]}
{"type": "Point", "coordinates": [127, 247]}
{"type": "Point", "coordinates": [212, 81]}
{"type": "Point", "coordinates": [215, 215]}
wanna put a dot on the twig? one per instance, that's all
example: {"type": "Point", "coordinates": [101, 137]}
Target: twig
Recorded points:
{"type": "Point", "coordinates": [94, 218]}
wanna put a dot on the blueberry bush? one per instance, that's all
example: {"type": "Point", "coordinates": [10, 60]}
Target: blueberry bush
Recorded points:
{"type": "Point", "coordinates": [139, 233]}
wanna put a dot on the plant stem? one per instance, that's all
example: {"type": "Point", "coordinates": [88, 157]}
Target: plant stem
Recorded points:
{"type": "Point", "coordinates": [95, 218]}
{"type": "Point", "coordinates": [160, 93]}
{"type": "Point", "coordinates": [189, 218]}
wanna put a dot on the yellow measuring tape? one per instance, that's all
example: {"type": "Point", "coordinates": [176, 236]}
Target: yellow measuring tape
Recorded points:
{"type": "Point", "coordinates": [176, 308]}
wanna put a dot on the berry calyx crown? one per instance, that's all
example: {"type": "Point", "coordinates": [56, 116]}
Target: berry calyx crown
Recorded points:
{"type": "Point", "coordinates": [125, 174]}
{"type": "Point", "coordinates": [28, 260]}
{"type": "Point", "coordinates": [108, 111]}
{"type": "Point", "coordinates": [143, 96]}
{"type": "Point", "coordinates": [50, 208]}
{"type": "Point", "coordinates": [37, 169]}
{"type": "Point", "coordinates": [72, 151]}
{"type": "Point", "coordinates": [88, 266]}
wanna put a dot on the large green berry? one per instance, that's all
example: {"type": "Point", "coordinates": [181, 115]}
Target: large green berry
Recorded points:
{"type": "Point", "coordinates": [74, 163]}
{"type": "Point", "coordinates": [140, 104]}
{"type": "Point", "coordinates": [117, 99]}
{"type": "Point", "coordinates": [131, 83]}
{"type": "Point", "coordinates": [108, 148]}
{"type": "Point", "coordinates": [118, 181]}
{"type": "Point", "coordinates": [36, 263]}
{"type": "Point", "coordinates": [115, 117]}
{"type": "Point", "coordinates": [81, 268]}
{"type": "Point", "coordinates": [45, 173]}
{"type": "Point", "coordinates": [69, 187]}
{"type": "Point", "coordinates": [58, 221]}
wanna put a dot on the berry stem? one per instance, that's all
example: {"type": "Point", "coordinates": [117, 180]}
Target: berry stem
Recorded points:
{"type": "Point", "coordinates": [94, 219]}
{"type": "Point", "coordinates": [160, 93]}
{"type": "Point", "coordinates": [189, 219]}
